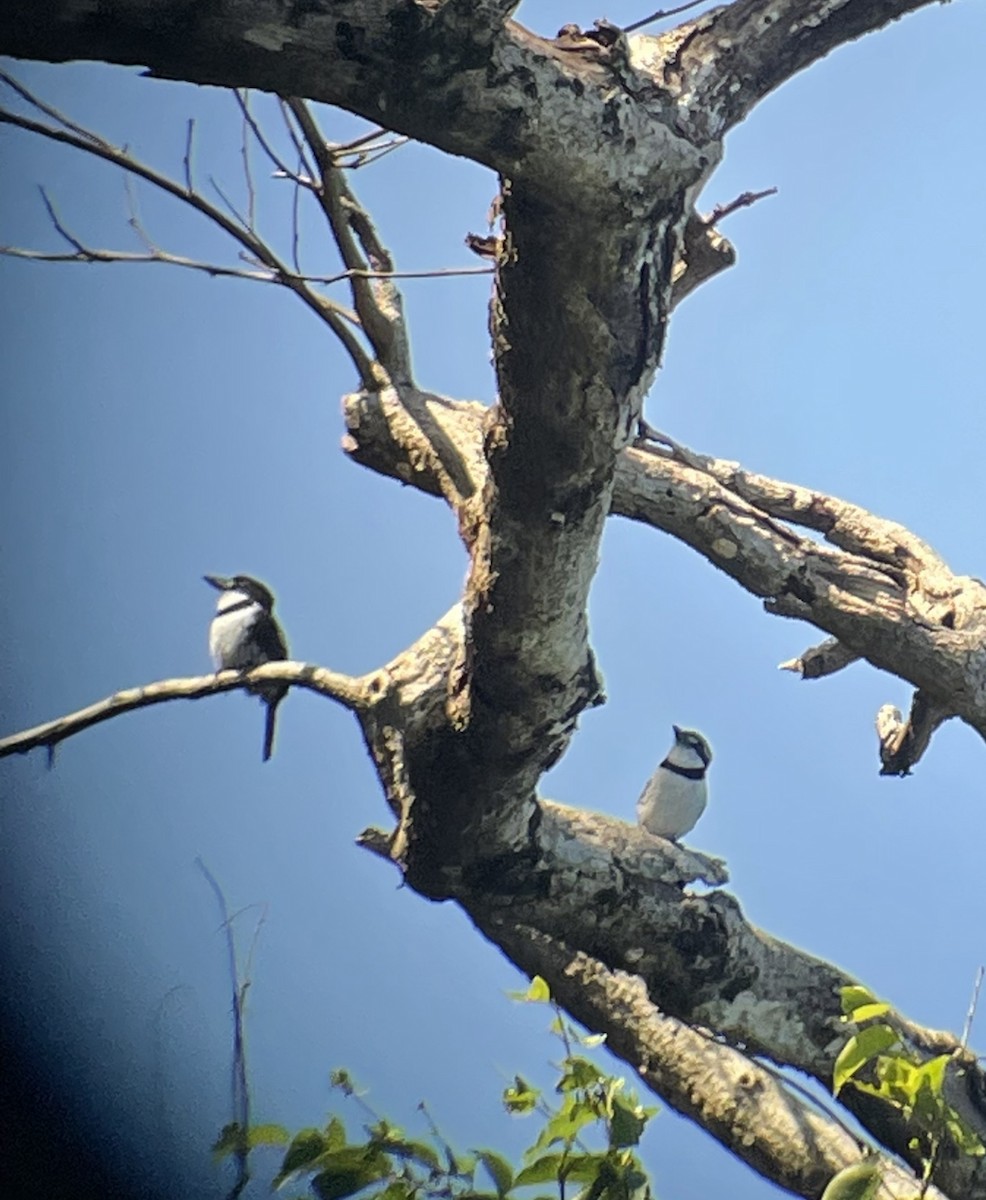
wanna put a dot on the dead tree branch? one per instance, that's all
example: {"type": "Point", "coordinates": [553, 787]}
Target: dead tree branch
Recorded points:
{"type": "Point", "coordinates": [349, 691]}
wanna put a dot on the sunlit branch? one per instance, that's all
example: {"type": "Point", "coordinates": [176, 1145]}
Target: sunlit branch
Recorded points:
{"type": "Point", "coordinates": [350, 691]}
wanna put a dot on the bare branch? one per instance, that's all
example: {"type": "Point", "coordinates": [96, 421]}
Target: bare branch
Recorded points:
{"type": "Point", "coordinates": [379, 304]}
{"type": "Point", "coordinates": [242, 95]}
{"type": "Point", "coordinates": [735, 54]}
{"type": "Point", "coordinates": [350, 691]}
{"type": "Point", "coordinates": [248, 124]}
{"type": "Point", "coordinates": [187, 158]}
{"type": "Point", "coordinates": [825, 659]}
{"type": "Point", "coordinates": [660, 15]}
{"type": "Point", "coordinates": [903, 743]}
{"type": "Point", "coordinates": [325, 309]}
{"type": "Point", "coordinates": [744, 200]}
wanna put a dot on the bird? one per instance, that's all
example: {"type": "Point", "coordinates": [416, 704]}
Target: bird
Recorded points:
{"type": "Point", "coordinates": [244, 633]}
{"type": "Point", "coordinates": [674, 797]}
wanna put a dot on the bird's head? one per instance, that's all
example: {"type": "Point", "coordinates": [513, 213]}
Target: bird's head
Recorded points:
{"type": "Point", "coordinates": [691, 739]}
{"type": "Point", "coordinates": [246, 585]}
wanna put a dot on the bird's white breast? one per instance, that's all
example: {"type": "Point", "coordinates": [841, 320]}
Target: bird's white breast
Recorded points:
{"type": "Point", "coordinates": [670, 804]}
{"type": "Point", "coordinates": [230, 641]}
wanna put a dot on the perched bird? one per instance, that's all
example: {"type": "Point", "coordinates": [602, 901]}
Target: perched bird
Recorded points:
{"type": "Point", "coordinates": [674, 797]}
{"type": "Point", "coordinates": [244, 634]}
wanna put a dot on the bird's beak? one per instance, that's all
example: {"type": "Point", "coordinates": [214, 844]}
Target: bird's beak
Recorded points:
{"type": "Point", "coordinates": [677, 730]}
{"type": "Point", "coordinates": [219, 582]}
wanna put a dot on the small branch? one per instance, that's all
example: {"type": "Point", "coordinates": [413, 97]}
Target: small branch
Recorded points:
{"type": "Point", "coordinates": [660, 15]}
{"type": "Point", "coordinates": [325, 310]}
{"type": "Point", "coordinates": [281, 166]}
{"type": "Point", "coordinates": [824, 659]}
{"type": "Point", "coordinates": [187, 158]}
{"type": "Point", "coordinates": [903, 743]}
{"type": "Point", "coordinates": [380, 305]}
{"type": "Point", "coordinates": [239, 1085]}
{"type": "Point", "coordinates": [742, 201]}
{"type": "Point", "coordinates": [350, 691]}
{"type": "Point", "coordinates": [248, 124]}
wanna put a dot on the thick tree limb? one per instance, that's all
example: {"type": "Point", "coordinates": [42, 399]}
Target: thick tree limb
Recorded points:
{"type": "Point", "coordinates": [744, 1104]}
{"type": "Point", "coordinates": [882, 593]}
{"type": "Point", "coordinates": [351, 692]}
{"type": "Point", "coordinates": [612, 892]}
{"type": "Point", "coordinates": [729, 58]}
{"type": "Point", "coordinates": [558, 117]}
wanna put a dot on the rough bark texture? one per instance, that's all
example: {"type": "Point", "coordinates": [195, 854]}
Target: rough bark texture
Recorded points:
{"type": "Point", "coordinates": [602, 144]}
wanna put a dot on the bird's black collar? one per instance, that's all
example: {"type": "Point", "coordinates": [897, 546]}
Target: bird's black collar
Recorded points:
{"type": "Point", "coordinates": [246, 602]}
{"type": "Point", "coordinates": [684, 772]}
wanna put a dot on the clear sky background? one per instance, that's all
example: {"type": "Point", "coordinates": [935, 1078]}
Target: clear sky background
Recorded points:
{"type": "Point", "coordinates": [158, 424]}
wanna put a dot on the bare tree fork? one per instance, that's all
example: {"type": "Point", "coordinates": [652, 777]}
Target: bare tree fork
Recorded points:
{"type": "Point", "coordinates": [521, 105]}
{"type": "Point", "coordinates": [883, 594]}
{"type": "Point", "coordinates": [350, 691]}
{"type": "Point", "coordinates": [748, 1105]}
{"type": "Point", "coordinates": [375, 298]}
{"type": "Point", "coordinates": [826, 658]}
{"type": "Point", "coordinates": [902, 743]}
{"type": "Point", "coordinates": [603, 145]}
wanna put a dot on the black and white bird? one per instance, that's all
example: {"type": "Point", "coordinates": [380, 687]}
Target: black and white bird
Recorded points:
{"type": "Point", "coordinates": [244, 634]}
{"type": "Point", "coordinates": [675, 796]}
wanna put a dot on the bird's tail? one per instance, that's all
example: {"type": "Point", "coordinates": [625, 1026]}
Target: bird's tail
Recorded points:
{"type": "Point", "coordinates": [269, 727]}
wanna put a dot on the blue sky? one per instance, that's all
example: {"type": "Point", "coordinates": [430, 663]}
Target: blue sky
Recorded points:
{"type": "Point", "coordinates": [158, 424]}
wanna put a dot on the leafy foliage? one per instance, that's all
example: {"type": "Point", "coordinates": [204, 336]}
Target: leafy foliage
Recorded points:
{"type": "Point", "coordinates": [586, 1142]}
{"type": "Point", "coordinates": [874, 1060]}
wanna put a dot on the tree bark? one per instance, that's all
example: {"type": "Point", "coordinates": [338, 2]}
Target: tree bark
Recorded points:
{"type": "Point", "coordinates": [602, 144]}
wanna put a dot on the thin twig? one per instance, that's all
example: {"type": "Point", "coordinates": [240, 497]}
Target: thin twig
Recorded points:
{"type": "Point", "coordinates": [231, 207]}
{"type": "Point", "coordinates": [49, 111]}
{"type": "Point", "coordinates": [53, 216]}
{"type": "Point", "coordinates": [970, 1016]}
{"type": "Point", "coordinates": [187, 160]}
{"type": "Point", "coordinates": [239, 1086]}
{"type": "Point", "coordinates": [660, 15]}
{"type": "Point", "coordinates": [296, 223]}
{"type": "Point", "coordinates": [372, 154]}
{"type": "Point", "coordinates": [326, 311]}
{"type": "Point", "coordinates": [245, 155]}
{"type": "Point", "coordinates": [134, 220]}
{"type": "Point", "coordinates": [281, 166]}
{"type": "Point", "coordinates": [299, 145]}
{"type": "Point", "coordinates": [743, 201]}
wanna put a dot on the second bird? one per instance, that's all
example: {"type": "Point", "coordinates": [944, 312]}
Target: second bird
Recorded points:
{"type": "Point", "coordinates": [244, 634]}
{"type": "Point", "coordinates": [674, 797]}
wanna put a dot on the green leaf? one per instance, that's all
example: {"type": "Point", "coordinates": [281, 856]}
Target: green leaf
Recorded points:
{"type": "Point", "coordinates": [593, 1039]}
{"type": "Point", "coordinates": [335, 1134]}
{"type": "Point", "coordinates": [581, 1168]}
{"type": "Point", "coordinates": [858, 1182]}
{"type": "Point", "coordinates": [858, 1051]}
{"type": "Point", "coordinates": [579, 1073]}
{"type": "Point", "coordinates": [866, 1012]}
{"type": "Point", "coordinates": [501, 1172]}
{"type": "Point", "coordinates": [538, 992]}
{"type": "Point", "coordinates": [305, 1148]}
{"type": "Point", "coordinates": [268, 1135]}
{"type": "Point", "coordinates": [627, 1123]}
{"type": "Point", "coordinates": [230, 1141]}
{"type": "Point", "coordinates": [855, 996]}
{"type": "Point", "coordinates": [348, 1171]}
{"type": "Point", "coordinates": [521, 1098]}
{"type": "Point", "coordinates": [564, 1125]}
